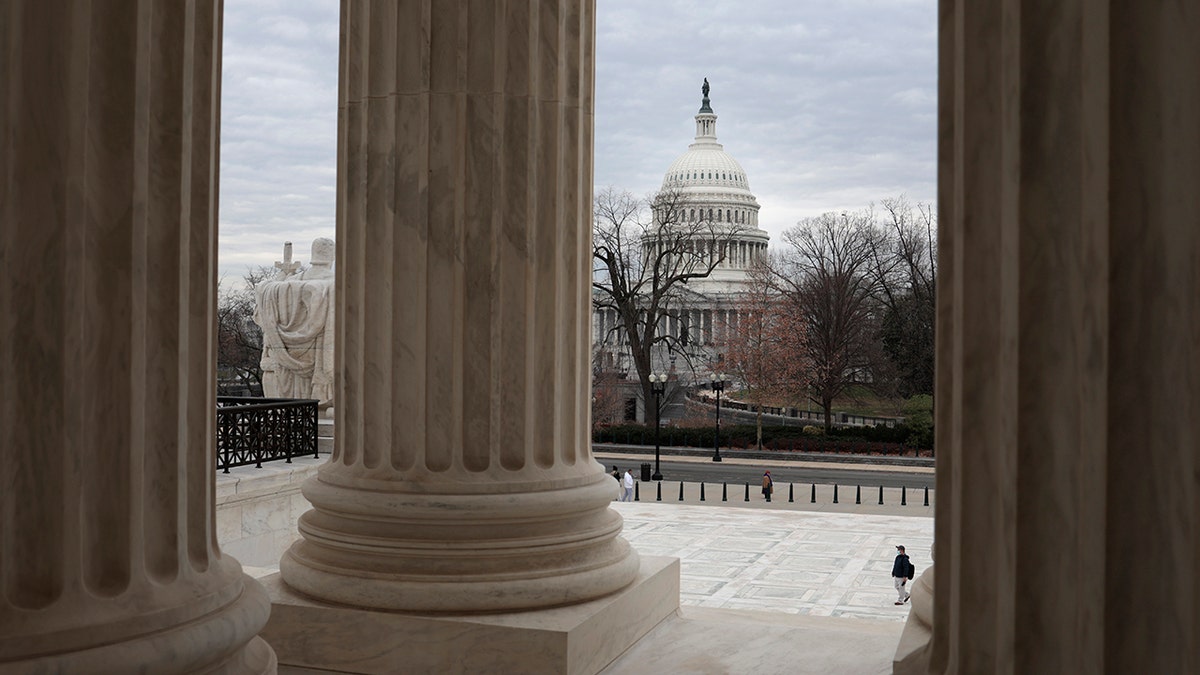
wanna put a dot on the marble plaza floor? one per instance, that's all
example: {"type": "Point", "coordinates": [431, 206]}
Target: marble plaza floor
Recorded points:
{"type": "Point", "coordinates": [772, 589]}
{"type": "Point", "coordinates": [787, 588]}
{"type": "Point", "coordinates": [810, 563]}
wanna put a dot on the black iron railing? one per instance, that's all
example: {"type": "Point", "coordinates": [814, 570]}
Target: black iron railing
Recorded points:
{"type": "Point", "coordinates": [257, 430]}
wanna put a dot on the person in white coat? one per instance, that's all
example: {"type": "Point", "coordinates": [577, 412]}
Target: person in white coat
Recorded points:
{"type": "Point", "coordinates": [628, 485]}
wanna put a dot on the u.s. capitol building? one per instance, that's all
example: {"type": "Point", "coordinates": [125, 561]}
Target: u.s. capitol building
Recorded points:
{"type": "Point", "coordinates": [710, 201]}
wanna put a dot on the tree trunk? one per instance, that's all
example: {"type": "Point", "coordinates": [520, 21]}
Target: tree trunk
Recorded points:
{"type": "Point", "coordinates": [759, 416]}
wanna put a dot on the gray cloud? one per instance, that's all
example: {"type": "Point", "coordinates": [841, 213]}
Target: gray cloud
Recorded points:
{"type": "Point", "coordinates": [278, 129]}
{"type": "Point", "coordinates": [827, 105]}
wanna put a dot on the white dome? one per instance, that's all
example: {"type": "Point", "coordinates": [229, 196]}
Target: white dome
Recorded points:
{"type": "Point", "coordinates": [715, 207]}
{"type": "Point", "coordinates": [708, 167]}
{"type": "Point", "coordinates": [706, 173]}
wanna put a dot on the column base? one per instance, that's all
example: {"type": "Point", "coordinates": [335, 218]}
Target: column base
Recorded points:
{"type": "Point", "coordinates": [581, 638]}
{"type": "Point", "coordinates": [389, 545]}
{"type": "Point", "coordinates": [219, 643]}
{"type": "Point", "coordinates": [912, 654]}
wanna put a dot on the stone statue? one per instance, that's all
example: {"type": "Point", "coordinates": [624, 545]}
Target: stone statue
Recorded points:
{"type": "Point", "coordinates": [295, 312]}
{"type": "Point", "coordinates": [704, 89]}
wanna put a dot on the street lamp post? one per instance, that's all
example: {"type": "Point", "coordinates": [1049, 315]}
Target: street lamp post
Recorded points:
{"type": "Point", "coordinates": [718, 385]}
{"type": "Point", "coordinates": [658, 385]}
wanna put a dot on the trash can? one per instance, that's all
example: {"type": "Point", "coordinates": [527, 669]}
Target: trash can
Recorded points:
{"type": "Point", "coordinates": [645, 472]}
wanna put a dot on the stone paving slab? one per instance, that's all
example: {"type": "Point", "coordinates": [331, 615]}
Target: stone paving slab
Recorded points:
{"type": "Point", "coordinates": [811, 563]}
{"type": "Point", "coordinates": [797, 562]}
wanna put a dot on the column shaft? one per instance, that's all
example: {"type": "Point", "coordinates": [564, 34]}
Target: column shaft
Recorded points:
{"type": "Point", "coordinates": [462, 476]}
{"type": "Point", "coordinates": [1068, 338]}
{"type": "Point", "coordinates": [109, 132]}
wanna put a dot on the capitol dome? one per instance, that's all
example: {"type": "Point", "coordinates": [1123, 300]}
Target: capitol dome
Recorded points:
{"type": "Point", "coordinates": [711, 177]}
{"type": "Point", "coordinates": [705, 228]}
{"type": "Point", "coordinates": [710, 196]}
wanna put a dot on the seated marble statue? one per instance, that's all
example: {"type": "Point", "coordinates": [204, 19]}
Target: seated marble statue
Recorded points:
{"type": "Point", "coordinates": [296, 314]}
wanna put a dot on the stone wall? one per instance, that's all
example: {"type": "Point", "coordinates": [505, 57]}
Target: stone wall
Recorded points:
{"type": "Point", "coordinates": [257, 510]}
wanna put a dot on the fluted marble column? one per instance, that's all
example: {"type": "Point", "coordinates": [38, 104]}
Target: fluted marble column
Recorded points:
{"type": "Point", "coordinates": [462, 476]}
{"type": "Point", "coordinates": [108, 209]}
{"type": "Point", "coordinates": [1068, 420]}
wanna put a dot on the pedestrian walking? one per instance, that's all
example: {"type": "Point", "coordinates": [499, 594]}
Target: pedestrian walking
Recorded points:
{"type": "Point", "coordinates": [768, 485]}
{"type": "Point", "coordinates": [616, 474]}
{"type": "Point", "coordinates": [902, 573]}
{"type": "Point", "coordinates": [628, 496]}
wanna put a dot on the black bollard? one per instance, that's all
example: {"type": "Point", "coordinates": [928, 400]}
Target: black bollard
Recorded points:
{"type": "Point", "coordinates": [791, 492]}
{"type": "Point", "coordinates": [881, 495]}
{"type": "Point", "coordinates": [702, 492]}
{"type": "Point", "coordinates": [747, 492]}
{"type": "Point", "coordinates": [814, 494]}
{"type": "Point", "coordinates": [724, 492]}
{"type": "Point", "coordinates": [658, 498]}
{"type": "Point", "coordinates": [835, 493]}
{"type": "Point", "coordinates": [680, 490]}
{"type": "Point", "coordinates": [903, 495]}
{"type": "Point", "coordinates": [858, 494]}
{"type": "Point", "coordinates": [637, 492]}
{"type": "Point", "coordinates": [926, 495]}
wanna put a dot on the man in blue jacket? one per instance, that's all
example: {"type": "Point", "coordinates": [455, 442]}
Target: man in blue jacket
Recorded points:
{"type": "Point", "coordinates": [902, 572]}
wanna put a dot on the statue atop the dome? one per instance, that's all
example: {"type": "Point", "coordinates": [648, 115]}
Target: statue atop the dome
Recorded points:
{"type": "Point", "coordinates": [704, 107]}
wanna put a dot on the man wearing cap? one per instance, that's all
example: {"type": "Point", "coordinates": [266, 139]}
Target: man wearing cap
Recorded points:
{"type": "Point", "coordinates": [902, 571]}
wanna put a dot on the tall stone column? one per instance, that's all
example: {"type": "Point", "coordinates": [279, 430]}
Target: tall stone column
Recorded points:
{"type": "Point", "coordinates": [1068, 421]}
{"type": "Point", "coordinates": [462, 478]}
{"type": "Point", "coordinates": [109, 128]}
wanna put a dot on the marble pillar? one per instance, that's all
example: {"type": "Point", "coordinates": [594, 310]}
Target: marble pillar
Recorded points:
{"type": "Point", "coordinates": [109, 562]}
{"type": "Point", "coordinates": [462, 478]}
{"type": "Point", "coordinates": [1068, 401]}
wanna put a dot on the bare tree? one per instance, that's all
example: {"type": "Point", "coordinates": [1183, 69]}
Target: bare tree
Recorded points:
{"type": "Point", "coordinates": [765, 349]}
{"type": "Point", "coordinates": [645, 251]}
{"type": "Point", "coordinates": [904, 267]}
{"type": "Point", "coordinates": [239, 339]}
{"type": "Point", "coordinates": [824, 272]}
{"type": "Point", "coordinates": [606, 392]}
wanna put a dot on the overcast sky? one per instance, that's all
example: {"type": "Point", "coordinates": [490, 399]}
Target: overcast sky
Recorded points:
{"type": "Point", "coordinates": [828, 105]}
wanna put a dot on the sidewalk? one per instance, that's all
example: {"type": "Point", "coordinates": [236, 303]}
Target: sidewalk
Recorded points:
{"type": "Point", "coordinates": [836, 459]}
{"type": "Point", "coordinates": [643, 454]}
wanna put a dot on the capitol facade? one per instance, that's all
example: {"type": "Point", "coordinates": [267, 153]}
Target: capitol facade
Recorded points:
{"type": "Point", "coordinates": [710, 198]}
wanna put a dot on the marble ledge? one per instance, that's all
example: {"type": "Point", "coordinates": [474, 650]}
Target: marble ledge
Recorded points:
{"type": "Point", "coordinates": [582, 638]}
{"type": "Point", "coordinates": [700, 640]}
{"type": "Point", "coordinates": [247, 482]}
